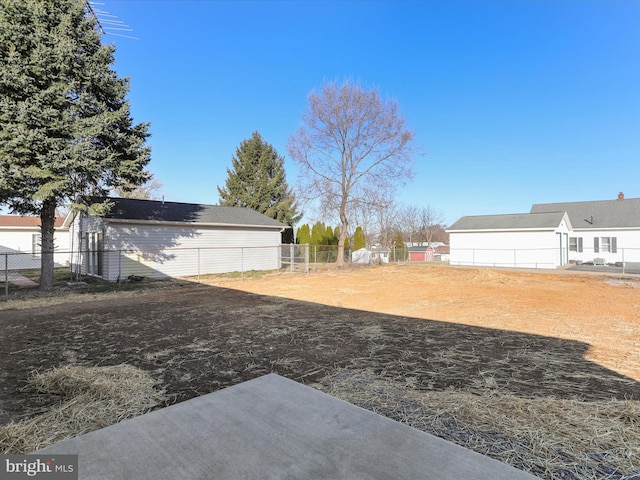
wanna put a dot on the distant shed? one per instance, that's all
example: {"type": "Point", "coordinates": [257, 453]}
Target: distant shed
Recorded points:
{"type": "Point", "coordinates": [421, 253]}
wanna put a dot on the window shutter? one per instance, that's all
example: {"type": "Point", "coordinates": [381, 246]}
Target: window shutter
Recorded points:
{"type": "Point", "coordinates": [614, 244]}
{"type": "Point", "coordinates": [579, 239]}
{"type": "Point", "coordinates": [596, 245]}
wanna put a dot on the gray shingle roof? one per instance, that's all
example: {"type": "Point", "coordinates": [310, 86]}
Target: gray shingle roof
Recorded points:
{"type": "Point", "coordinates": [159, 211]}
{"type": "Point", "coordinates": [597, 214]}
{"type": "Point", "coordinates": [547, 220]}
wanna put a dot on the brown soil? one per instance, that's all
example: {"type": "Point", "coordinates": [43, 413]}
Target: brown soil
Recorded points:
{"type": "Point", "coordinates": [535, 334]}
{"type": "Point", "coordinates": [601, 311]}
{"type": "Point", "coordinates": [523, 333]}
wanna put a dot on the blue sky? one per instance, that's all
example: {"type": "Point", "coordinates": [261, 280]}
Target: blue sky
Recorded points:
{"type": "Point", "coordinates": [513, 102]}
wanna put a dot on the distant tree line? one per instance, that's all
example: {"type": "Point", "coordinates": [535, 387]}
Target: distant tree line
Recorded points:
{"type": "Point", "coordinates": [407, 226]}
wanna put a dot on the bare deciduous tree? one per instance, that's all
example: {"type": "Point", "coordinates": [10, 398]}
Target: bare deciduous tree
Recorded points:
{"type": "Point", "coordinates": [408, 223]}
{"type": "Point", "coordinates": [420, 224]}
{"type": "Point", "coordinates": [352, 141]}
{"type": "Point", "coordinates": [386, 222]}
{"type": "Point", "coordinates": [369, 212]}
{"type": "Point", "coordinates": [147, 191]}
{"type": "Point", "coordinates": [430, 220]}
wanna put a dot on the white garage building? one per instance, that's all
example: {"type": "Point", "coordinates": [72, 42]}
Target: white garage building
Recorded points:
{"type": "Point", "coordinates": [169, 239]}
{"type": "Point", "coordinates": [527, 240]}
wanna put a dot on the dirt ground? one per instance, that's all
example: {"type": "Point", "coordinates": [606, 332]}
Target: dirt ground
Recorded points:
{"type": "Point", "coordinates": [523, 333]}
{"type": "Point", "coordinates": [601, 311]}
{"type": "Point", "coordinates": [566, 334]}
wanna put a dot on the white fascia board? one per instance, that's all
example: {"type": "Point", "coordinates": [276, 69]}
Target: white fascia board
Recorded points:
{"type": "Point", "coordinates": [502, 230]}
{"type": "Point", "coordinates": [68, 220]}
{"type": "Point", "coordinates": [189, 224]}
{"type": "Point", "coordinates": [31, 229]}
{"type": "Point", "coordinates": [607, 229]}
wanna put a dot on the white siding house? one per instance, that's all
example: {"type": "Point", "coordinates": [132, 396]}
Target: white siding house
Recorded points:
{"type": "Point", "coordinates": [20, 242]}
{"type": "Point", "coordinates": [519, 240]}
{"type": "Point", "coordinates": [551, 235]}
{"type": "Point", "coordinates": [606, 231]}
{"type": "Point", "coordinates": [168, 239]}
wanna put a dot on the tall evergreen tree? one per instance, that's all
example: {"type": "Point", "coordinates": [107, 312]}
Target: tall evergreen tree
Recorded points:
{"type": "Point", "coordinates": [318, 233]}
{"type": "Point", "coordinates": [65, 125]}
{"type": "Point", "coordinates": [257, 181]}
{"type": "Point", "coordinates": [330, 239]}
{"type": "Point", "coordinates": [359, 240]}
{"type": "Point", "coordinates": [303, 235]}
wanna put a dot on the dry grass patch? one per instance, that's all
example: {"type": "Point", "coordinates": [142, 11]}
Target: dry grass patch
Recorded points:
{"type": "Point", "coordinates": [91, 398]}
{"type": "Point", "coordinates": [552, 438]}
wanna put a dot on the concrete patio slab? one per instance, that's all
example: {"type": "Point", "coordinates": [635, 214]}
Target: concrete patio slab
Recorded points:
{"type": "Point", "coordinates": [272, 428]}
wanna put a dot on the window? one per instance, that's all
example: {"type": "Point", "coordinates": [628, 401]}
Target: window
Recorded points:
{"type": "Point", "coordinates": [605, 244]}
{"type": "Point", "coordinates": [95, 250]}
{"type": "Point", "coordinates": [36, 242]}
{"type": "Point", "coordinates": [575, 244]}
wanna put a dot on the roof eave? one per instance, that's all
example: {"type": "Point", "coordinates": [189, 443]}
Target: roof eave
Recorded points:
{"type": "Point", "coordinates": [34, 228]}
{"type": "Point", "coordinates": [493, 230]}
{"type": "Point", "coordinates": [587, 229]}
{"type": "Point", "coordinates": [192, 224]}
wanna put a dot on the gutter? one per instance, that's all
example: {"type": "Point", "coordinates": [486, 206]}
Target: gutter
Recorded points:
{"type": "Point", "coordinates": [485, 230]}
{"type": "Point", "coordinates": [192, 224]}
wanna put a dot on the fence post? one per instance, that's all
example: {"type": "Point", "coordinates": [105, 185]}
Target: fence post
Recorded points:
{"type": "Point", "coordinates": [241, 262]}
{"type": "Point", "coordinates": [622, 260]}
{"type": "Point", "coordinates": [198, 265]}
{"type": "Point", "coordinates": [292, 257]}
{"type": "Point", "coordinates": [306, 258]}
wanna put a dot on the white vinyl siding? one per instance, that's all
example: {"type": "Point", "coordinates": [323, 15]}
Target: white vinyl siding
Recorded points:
{"type": "Point", "coordinates": [531, 249]}
{"type": "Point", "coordinates": [618, 246]}
{"type": "Point", "coordinates": [22, 246]}
{"type": "Point", "coordinates": [174, 251]}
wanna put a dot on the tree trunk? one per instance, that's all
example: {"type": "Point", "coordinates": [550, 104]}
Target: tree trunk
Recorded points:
{"type": "Point", "coordinates": [47, 228]}
{"type": "Point", "coordinates": [343, 236]}
{"type": "Point", "coordinates": [340, 257]}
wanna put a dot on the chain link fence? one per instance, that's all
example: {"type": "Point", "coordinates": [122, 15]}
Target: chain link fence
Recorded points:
{"type": "Point", "coordinates": [295, 258]}
{"type": "Point", "coordinates": [20, 269]}
{"type": "Point", "coordinates": [622, 260]}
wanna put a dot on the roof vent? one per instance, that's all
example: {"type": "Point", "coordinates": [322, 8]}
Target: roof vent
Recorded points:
{"type": "Point", "coordinates": [621, 196]}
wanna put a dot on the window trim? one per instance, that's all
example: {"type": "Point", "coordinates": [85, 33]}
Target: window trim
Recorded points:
{"type": "Point", "coordinates": [36, 244]}
{"type": "Point", "coordinates": [575, 244]}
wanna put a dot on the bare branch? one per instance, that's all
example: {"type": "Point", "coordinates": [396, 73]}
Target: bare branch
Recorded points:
{"type": "Point", "coordinates": [351, 143]}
